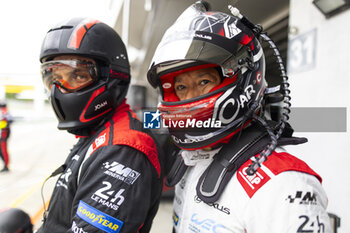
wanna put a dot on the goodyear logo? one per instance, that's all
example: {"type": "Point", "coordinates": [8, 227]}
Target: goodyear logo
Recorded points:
{"type": "Point", "coordinates": [175, 218]}
{"type": "Point", "coordinates": [98, 219]}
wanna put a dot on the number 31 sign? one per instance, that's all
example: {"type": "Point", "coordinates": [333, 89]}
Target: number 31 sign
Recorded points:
{"type": "Point", "coordinates": [302, 52]}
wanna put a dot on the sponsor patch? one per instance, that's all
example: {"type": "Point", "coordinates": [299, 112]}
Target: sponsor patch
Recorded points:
{"type": "Point", "coordinates": [215, 205]}
{"type": "Point", "coordinates": [251, 184]}
{"type": "Point", "coordinates": [98, 219]}
{"type": "Point", "coordinates": [121, 172]}
{"type": "Point", "coordinates": [64, 178]}
{"type": "Point", "coordinates": [307, 198]}
{"type": "Point", "coordinates": [166, 85]}
{"type": "Point", "coordinates": [107, 196]}
{"type": "Point", "coordinates": [77, 229]}
{"type": "Point", "coordinates": [175, 218]}
{"type": "Point", "coordinates": [203, 224]}
{"type": "Point", "coordinates": [102, 140]}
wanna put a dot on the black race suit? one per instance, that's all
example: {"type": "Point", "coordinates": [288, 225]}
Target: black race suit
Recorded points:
{"type": "Point", "coordinates": [112, 181]}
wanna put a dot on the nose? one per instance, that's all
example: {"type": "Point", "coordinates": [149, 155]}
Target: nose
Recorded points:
{"type": "Point", "coordinates": [61, 89]}
{"type": "Point", "coordinates": [192, 93]}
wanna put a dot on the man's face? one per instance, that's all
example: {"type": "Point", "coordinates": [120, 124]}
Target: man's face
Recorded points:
{"type": "Point", "coordinates": [195, 83]}
{"type": "Point", "coordinates": [69, 73]}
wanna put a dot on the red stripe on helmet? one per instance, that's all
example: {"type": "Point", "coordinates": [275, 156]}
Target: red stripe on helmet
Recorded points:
{"type": "Point", "coordinates": [79, 33]}
{"type": "Point", "coordinates": [222, 32]}
{"type": "Point", "coordinates": [246, 40]}
{"type": "Point", "coordinates": [93, 96]}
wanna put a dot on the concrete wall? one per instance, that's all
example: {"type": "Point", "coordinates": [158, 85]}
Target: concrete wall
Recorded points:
{"type": "Point", "coordinates": [327, 84]}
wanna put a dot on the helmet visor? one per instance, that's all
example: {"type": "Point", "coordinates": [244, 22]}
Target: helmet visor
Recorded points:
{"type": "Point", "coordinates": [70, 75]}
{"type": "Point", "coordinates": [207, 37]}
{"type": "Point", "coordinates": [187, 46]}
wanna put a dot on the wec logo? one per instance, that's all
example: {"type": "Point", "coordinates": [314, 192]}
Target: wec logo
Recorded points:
{"type": "Point", "coordinates": [204, 224]}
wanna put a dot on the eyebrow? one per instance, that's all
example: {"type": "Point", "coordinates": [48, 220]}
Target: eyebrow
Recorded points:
{"type": "Point", "coordinates": [206, 73]}
{"type": "Point", "coordinates": [179, 79]}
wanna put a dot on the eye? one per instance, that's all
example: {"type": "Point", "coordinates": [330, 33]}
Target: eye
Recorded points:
{"type": "Point", "coordinates": [80, 76]}
{"type": "Point", "coordinates": [180, 87]}
{"type": "Point", "coordinates": [204, 82]}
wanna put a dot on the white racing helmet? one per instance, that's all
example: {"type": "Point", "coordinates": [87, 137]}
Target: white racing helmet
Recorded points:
{"type": "Point", "coordinates": [200, 39]}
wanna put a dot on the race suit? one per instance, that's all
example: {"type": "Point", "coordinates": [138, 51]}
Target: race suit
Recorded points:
{"type": "Point", "coordinates": [5, 122]}
{"type": "Point", "coordinates": [112, 181]}
{"type": "Point", "coordinates": [284, 195]}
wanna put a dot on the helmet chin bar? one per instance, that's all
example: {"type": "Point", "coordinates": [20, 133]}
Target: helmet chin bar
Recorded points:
{"type": "Point", "coordinates": [257, 29]}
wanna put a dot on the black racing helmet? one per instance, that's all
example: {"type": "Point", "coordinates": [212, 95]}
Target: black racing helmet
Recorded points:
{"type": "Point", "coordinates": [111, 71]}
{"type": "Point", "coordinates": [14, 220]}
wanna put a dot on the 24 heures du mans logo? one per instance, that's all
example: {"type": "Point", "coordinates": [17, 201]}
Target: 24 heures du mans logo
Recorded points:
{"type": "Point", "coordinates": [108, 196]}
{"type": "Point", "coordinates": [121, 172]}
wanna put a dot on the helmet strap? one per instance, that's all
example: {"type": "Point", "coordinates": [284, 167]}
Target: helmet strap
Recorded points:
{"type": "Point", "coordinates": [233, 155]}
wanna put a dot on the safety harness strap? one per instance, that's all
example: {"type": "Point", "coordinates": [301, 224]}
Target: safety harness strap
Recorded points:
{"type": "Point", "coordinates": [233, 155]}
{"type": "Point", "coordinates": [241, 147]}
{"type": "Point", "coordinates": [176, 172]}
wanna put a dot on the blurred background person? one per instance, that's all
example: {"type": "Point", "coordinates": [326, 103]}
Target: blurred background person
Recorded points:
{"type": "Point", "coordinates": [5, 122]}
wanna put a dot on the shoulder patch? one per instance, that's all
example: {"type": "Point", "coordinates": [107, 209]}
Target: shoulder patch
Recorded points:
{"type": "Point", "coordinates": [138, 140]}
{"type": "Point", "coordinates": [274, 165]}
{"type": "Point", "coordinates": [101, 140]}
{"type": "Point", "coordinates": [253, 183]}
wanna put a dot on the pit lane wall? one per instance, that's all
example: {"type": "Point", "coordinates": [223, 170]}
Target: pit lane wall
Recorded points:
{"type": "Point", "coordinates": [318, 70]}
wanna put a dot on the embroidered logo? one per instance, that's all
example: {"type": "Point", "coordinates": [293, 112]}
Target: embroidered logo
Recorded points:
{"type": "Point", "coordinates": [307, 198]}
{"type": "Point", "coordinates": [109, 197]}
{"type": "Point", "coordinates": [175, 218]}
{"type": "Point", "coordinates": [121, 172]}
{"type": "Point", "coordinates": [99, 141]}
{"type": "Point", "coordinates": [98, 219]}
{"type": "Point", "coordinates": [64, 178]}
{"type": "Point", "coordinates": [251, 184]}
